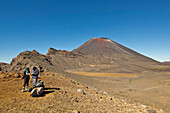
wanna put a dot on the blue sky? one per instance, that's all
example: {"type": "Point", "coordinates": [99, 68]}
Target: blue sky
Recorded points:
{"type": "Point", "coordinates": [142, 25]}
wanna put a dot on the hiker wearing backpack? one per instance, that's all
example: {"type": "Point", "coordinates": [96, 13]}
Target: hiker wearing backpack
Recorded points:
{"type": "Point", "coordinates": [26, 78]}
{"type": "Point", "coordinates": [38, 90]}
{"type": "Point", "coordinates": [34, 76]}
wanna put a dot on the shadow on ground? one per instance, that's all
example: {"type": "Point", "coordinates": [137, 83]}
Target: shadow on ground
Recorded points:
{"type": "Point", "coordinates": [49, 90]}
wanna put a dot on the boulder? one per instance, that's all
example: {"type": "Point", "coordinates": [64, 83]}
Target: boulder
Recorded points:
{"type": "Point", "coordinates": [80, 90]}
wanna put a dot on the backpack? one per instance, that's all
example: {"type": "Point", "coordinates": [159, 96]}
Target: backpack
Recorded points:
{"type": "Point", "coordinates": [30, 89]}
{"type": "Point", "coordinates": [37, 92]}
{"type": "Point", "coordinates": [40, 83]}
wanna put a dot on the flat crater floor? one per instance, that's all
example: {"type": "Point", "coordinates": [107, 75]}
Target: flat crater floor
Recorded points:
{"type": "Point", "coordinates": [149, 88]}
{"type": "Point", "coordinates": [106, 74]}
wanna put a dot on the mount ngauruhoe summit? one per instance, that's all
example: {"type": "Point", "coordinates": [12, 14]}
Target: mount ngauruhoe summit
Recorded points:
{"type": "Point", "coordinates": [96, 55]}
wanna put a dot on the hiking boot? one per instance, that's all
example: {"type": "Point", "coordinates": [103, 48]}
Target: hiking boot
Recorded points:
{"type": "Point", "coordinates": [23, 89]}
{"type": "Point", "coordinates": [26, 88]}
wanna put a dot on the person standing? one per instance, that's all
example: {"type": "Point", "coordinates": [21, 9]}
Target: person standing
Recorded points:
{"type": "Point", "coordinates": [34, 76]}
{"type": "Point", "coordinates": [26, 78]}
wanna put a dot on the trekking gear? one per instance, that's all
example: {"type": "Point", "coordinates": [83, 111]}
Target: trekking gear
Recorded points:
{"type": "Point", "coordinates": [30, 89]}
{"type": "Point", "coordinates": [37, 92]}
{"type": "Point", "coordinates": [26, 88]}
{"type": "Point", "coordinates": [23, 89]}
{"type": "Point", "coordinates": [40, 83]}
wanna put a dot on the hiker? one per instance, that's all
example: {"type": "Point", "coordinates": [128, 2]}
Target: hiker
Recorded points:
{"type": "Point", "coordinates": [34, 76]}
{"type": "Point", "coordinates": [26, 78]}
{"type": "Point", "coordinates": [38, 90]}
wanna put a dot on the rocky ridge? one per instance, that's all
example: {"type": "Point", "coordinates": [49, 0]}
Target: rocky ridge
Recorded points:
{"type": "Point", "coordinates": [96, 55]}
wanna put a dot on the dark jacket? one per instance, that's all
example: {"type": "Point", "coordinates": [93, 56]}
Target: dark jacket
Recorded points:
{"type": "Point", "coordinates": [25, 74]}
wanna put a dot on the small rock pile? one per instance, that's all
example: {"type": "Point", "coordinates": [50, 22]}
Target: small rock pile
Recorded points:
{"type": "Point", "coordinates": [9, 75]}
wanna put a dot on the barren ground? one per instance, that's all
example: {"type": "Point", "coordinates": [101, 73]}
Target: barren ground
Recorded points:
{"type": "Point", "coordinates": [148, 88]}
{"type": "Point", "coordinates": [61, 95]}
{"type": "Point", "coordinates": [106, 74]}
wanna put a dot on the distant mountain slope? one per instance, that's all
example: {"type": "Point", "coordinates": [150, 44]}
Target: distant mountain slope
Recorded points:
{"type": "Point", "coordinates": [54, 60]}
{"type": "Point", "coordinates": [96, 55]}
{"type": "Point", "coordinates": [106, 48]}
{"type": "Point", "coordinates": [110, 56]}
{"type": "Point", "coordinates": [166, 62]}
{"type": "Point", "coordinates": [3, 65]}
{"type": "Point", "coordinates": [66, 60]}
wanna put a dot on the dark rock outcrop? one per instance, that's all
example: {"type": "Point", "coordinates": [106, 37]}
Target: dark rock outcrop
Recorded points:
{"type": "Point", "coordinates": [65, 60]}
{"type": "Point", "coordinates": [28, 59]}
